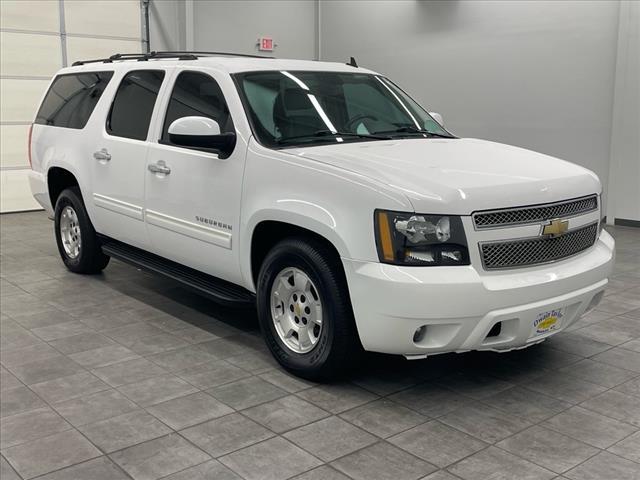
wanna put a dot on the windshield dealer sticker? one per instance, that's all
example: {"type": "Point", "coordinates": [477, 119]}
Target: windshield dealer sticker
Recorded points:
{"type": "Point", "coordinates": [547, 321]}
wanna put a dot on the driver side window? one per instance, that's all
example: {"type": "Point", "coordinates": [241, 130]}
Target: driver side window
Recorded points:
{"type": "Point", "coordinates": [197, 94]}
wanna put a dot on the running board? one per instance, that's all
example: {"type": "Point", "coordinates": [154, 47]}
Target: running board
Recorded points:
{"type": "Point", "coordinates": [218, 290]}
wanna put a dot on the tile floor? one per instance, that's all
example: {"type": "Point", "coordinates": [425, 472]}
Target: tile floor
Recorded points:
{"type": "Point", "coordinates": [125, 375]}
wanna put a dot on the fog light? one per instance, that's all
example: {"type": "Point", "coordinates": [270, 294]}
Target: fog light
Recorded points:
{"type": "Point", "coordinates": [419, 334]}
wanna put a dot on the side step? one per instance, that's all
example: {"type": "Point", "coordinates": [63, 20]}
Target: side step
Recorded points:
{"type": "Point", "coordinates": [218, 290]}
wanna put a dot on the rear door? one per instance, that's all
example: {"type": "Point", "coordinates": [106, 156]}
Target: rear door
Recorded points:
{"type": "Point", "coordinates": [118, 157]}
{"type": "Point", "coordinates": [192, 212]}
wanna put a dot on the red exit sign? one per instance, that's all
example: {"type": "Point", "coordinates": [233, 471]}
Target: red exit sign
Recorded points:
{"type": "Point", "coordinates": [265, 44]}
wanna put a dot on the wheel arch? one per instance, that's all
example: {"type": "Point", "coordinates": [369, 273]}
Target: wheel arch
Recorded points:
{"type": "Point", "coordinates": [58, 179]}
{"type": "Point", "coordinates": [267, 232]}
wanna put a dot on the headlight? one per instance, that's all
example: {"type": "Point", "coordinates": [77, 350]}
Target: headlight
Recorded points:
{"type": "Point", "coordinates": [420, 240]}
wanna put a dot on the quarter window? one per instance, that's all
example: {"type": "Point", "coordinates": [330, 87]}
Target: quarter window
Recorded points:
{"type": "Point", "coordinates": [133, 104]}
{"type": "Point", "coordinates": [197, 94]}
{"type": "Point", "coordinates": [72, 98]}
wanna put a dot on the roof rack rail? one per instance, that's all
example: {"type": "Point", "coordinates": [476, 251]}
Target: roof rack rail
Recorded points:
{"type": "Point", "coordinates": [180, 55]}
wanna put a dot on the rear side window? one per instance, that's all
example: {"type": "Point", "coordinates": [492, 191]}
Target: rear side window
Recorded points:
{"type": "Point", "coordinates": [72, 98]}
{"type": "Point", "coordinates": [133, 104]}
{"type": "Point", "coordinates": [197, 94]}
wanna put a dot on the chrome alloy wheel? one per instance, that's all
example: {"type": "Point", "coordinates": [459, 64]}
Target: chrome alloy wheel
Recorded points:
{"type": "Point", "coordinates": [296, 310]}
{"type": "Point", "coordinates": [70, 232]}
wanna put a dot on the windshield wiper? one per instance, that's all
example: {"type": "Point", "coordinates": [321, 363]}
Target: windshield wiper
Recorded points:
{"type": "Point", "coordinates": [329, 133]}
{"type": "Point", "coordinates": [414, 130]}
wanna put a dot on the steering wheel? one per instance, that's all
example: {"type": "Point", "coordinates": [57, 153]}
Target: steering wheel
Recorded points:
{"type": "Point", "coordinates": [357, 118]}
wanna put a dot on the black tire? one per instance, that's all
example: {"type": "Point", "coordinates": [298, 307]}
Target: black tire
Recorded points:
{"type": "Point", "coordinates": [90, 259]}
{"type": "Point", "coordinates": [338, 347]}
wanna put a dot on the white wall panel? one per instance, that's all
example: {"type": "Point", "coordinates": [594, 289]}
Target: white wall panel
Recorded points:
{"type": "Point", "coordinates": [16, 194]}
{"type": "Point", "coordinates": [114, 18]}
{"type": "Point", "coordinates": [34, 43]}
{"type": "Point", "coordinates": [20, 99]}
{"type": "Point", "coordinates": [13, 146]}
{"type": "Point", "coordinates": [24, 54]}
{"type": "Point", "coordinates": [85, 48]}
{"type": "Point", "coordinates": [39, 15]}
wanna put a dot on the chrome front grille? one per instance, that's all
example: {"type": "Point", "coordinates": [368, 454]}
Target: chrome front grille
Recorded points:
{"type": "Point", "coordinates": [534, 214]}
{"type": "Point", "coordinates": [537, 250]}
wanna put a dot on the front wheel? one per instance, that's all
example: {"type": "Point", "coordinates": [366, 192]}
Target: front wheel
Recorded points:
{"type": "Point", "coordinates": [77, 241]}
{"type": "Point", "coordinates": [304, 309]}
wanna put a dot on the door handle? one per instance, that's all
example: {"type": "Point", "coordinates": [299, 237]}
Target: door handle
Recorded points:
{"type": "Point", "coordinates": [159, 167]}
{"type": "Point", "coordinates": [102, 155]}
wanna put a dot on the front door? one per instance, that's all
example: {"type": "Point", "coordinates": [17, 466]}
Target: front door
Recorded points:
{"type": "Point", "coordinates": [193, 196]}
{"type": "Point", "coordinates": [119, 155]}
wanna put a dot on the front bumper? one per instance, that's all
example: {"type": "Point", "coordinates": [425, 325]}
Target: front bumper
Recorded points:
{"type": "Point", "coordinates": [458, 306]}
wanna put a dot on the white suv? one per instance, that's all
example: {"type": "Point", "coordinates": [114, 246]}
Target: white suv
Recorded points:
{"type": "Point", "coordinates": [325, 194]}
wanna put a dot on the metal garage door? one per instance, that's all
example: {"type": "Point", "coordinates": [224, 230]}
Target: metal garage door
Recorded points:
{"type": "Point", "coordinates": [37, 38]}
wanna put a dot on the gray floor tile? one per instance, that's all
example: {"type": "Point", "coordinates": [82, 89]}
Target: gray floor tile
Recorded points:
{"type": "Point", "coordinates": [605, 465]}
{"type": "Point", "coordinates": [628, 448]}
{"type": "Point", "coordinates": [50, 453]}
{"type": "Point", "coordinates": [43, 370]}
{"type": "Point", "coordinates": [589, 427]}
{"type": "Point", "coordinates": [156, 344]}
{"type": "Point", "coordinates": [189, 410]}
{"type": "Point", "coordinates": [437, 443]}
{"type": "Point", "coordinates": [81, 343]}
{"type": "Point", "coordinates": [383, 461]}
{"type": "Point", "coordinates": [101, 357]}
{"type": "Point", "coordinates": [383, 418]}
{"type": "Point", "coordinates": [193, 334]}
{"type": "Point", "coordinates": [632, 387]}
{"type": "Point", "coordinates": [577, 344]}
{"type": "Point", "coordinates": [33, 353]}
{"type": "Point", "coordinates": [28, 426]}
{"type": "Point", "coordinates": [441, 475]}
{"type": "Point", "coordinates": [542, 446]}
{"type": "Point", "coordinates": [598, 372]}
{"type": "Point", "coordinates": [100, 468]}
{"type": "Point", "coordinates": [246, 393]}
{"type": "Point", "coordinates": [17, 400]}
{"type": "Point", "coordinates": [124, 430]}
{"type": "Point", "coordinates": [565, 387]}
{"type": "Point", "coordinates": [285, 413]}
{"type": "Point", "coordinates": [474, 386]}
{"type": "Point", "coordinates": [130, 334]}
{"type": "Point", "coordinates": [321, 473]}
{"type": "Point", "coordinates": [182, 358]}
{"type": "Point", "coordinates": [212, 374]}
{"type": "Point", "coordinates": [6, 471]}
{"type": "Point", "coordinates": [156, 390]}
{"type": "Point", "coordinates": [625, 408]}
{"type": "Point", "coordinates": [337, 398]}
{"type": "Point", "coordinates": [8, 380]}
{"type": "Point", "coordinates": [211, 470]}
{"type": "Point", "coordinates": [521, 402]}
{"type": "Point", "coordinates": [226, 434]}
{"type": "Point", "coordinates": [130, 371]}
{"type": "Point", "coordinates": [620, 357]}
{"type": "Point", "coordinates": [95, 407]}
{"type": "Point", "coordinates": [330, 438]}
{"type": "Point", "coordinates": [158, 458]}
{"type": "Point", "coordinates": [61, 330]}
{"type": "Point", "coordinates": [431, 400]}
{"type": "Point", "coordinates": [35, 313]}
{"type": "Point", "coordinates": [66, 388]}
{"type": "Point", "coordinates": [286, 382]}
{"type": "Point", "coordinates": [385, 382]}
{"type": "Point", "coordinates": [273, 459]}
{"type": "Point", "coordinates": [498, 465]}
{"type": "Point", "coordinates": [485, 423]}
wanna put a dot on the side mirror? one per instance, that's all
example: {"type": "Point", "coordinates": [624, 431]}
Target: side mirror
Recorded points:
{"type": "Point", "coordinates": [201, 133]}
{"type": "Point", "coordinates": [438, 118]}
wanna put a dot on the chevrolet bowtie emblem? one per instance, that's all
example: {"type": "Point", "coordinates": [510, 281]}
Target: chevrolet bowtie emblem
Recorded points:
{"type": "Point", "coordinates": [556, 228]}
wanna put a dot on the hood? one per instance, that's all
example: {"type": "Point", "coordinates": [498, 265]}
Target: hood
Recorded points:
{"type": "Point", "coordinates": [459, 176]}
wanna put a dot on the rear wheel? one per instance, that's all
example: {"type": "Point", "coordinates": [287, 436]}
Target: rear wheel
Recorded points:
{"type": "Point", "coordinates": [77, 241]}
{"type": "Point", "coordinates": [304, 309]}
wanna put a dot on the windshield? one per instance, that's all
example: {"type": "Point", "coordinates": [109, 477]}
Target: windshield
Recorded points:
{"type": "Point", "coordinates": [291, 108]}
